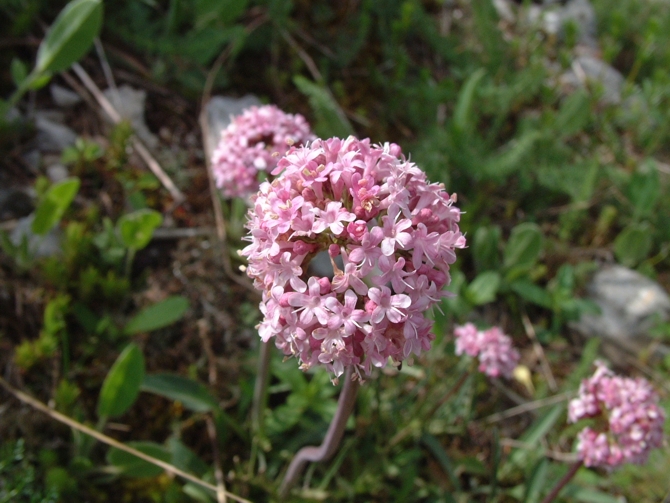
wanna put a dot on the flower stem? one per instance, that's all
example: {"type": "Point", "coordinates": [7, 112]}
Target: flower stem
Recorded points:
{"type": "Point", "coordinates": [561, 484]}
{"type": "Point", "coordinates": [345, 406]}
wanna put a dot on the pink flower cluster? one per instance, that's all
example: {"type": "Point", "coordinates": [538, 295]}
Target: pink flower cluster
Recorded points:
{"type": "Point", "coordinates": [629, 420]}
{"type": "Point", "coordinates": [390, 236]}
{"type": "Point", "coordinates": [253, 143]}
{"type": "Point", "coordinates": [491, 347]}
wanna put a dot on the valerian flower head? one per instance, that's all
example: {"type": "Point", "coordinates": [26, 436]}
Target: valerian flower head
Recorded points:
{"type": "Point", "coordinates": [628, 422]}
{"type": "Point", "coordinates": [390, 235]}
{"type": "Point", "coordinates": [491, 347]}
{"type": "Point", "coordinates": [253, 143]}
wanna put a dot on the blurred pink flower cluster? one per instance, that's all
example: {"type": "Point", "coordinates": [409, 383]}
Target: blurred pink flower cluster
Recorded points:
{"type": "Point", "coordinates": [629, 420]}
{"type": "Point", "coordinates": [491, 347]}
{"type": "Point", "coordinates": [390, 236]}
{"type": "Point", "coordinates": [253, 142]}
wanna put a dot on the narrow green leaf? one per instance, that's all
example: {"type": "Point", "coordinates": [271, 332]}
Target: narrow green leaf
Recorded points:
{"type": "Point", "coordinates": [587, 495]}
{"type": "Point", "coordinates": [538, 480]}
{"type": "Point", "coordinates": [633, 244]}
{"type": "Point", "coordinates": [524, 246]}
{"type": "Point", "coordinates": [330, 119]}
{"type": "Point", "coordinates": [137, 228]}
{"type": "Point", "coordinates": [463, 120]}
{"type": "Point", "coordinates": [19, 71]}
{"type": "Point", "coordinates": [70, 36]}
{"type": "Point", "coordinates": [191, 394]}
{"type": "Point", "coordinates": [53, 205]}
{"type": "Point", "coordinates": [133, 466]}
{"type": "Point", "coordinates": [442, 457]}
{"type": "Point", "coordinates": [159, 315]}
{"type": "Point", "coordinates": [122, 384]}
{"type": "Point", "coordinates": [483, 288]}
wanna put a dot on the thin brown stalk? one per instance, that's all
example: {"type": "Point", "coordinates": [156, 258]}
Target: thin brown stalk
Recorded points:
{"type": "Point", "coordinates": [569, 457]}
{"type": "Point", "coordinates": [36, 404]}
{"type": "Point", "coordinates": [345, 406]}
{"type": "Point", "coordinates": [218, 472]}
{"type": "Point", "coordinates": [539, 353]}
{"type": "Point", "coordinates": [526, 407]}
{"type": "Point", "coordinates": [139, 147]}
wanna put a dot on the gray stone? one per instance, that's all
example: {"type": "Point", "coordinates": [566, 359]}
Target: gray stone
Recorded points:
{"type": "Point", "coordinates": [52, 135]}
{"type": "Point", "coordinates": [220, 110]}
{"type": "Point", "coordinates": [57, 172]}
{"type": "Point", "coordinates": [63, 97]}
{"type": "Point", "coordinates": [582, 14]}
{"type": "Point", "coordinates": [129, 103]}
{"type": "Point", "coordinates": [589, 70]}
{"type": "Point", "coordinates": [39, 246]}
{"type": "Point", "coordinates": [631, 304]}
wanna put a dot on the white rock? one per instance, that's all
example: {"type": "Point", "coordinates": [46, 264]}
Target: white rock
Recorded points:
{"type": "Point", "coordinates": [129, 103]}
{"type": "Point", "coordinates": [52, 136]}
{"type": "Point", "coordinates": [220, 110]}
{"type": "Point", "coordinates": [63, 97]}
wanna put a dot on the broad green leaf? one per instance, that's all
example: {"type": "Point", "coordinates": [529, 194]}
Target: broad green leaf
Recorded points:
{"type": "Point", "coordinates": [633, 244]}
{"type": "Point", "coordinates": [510, 157]}
{"type": "Point", "coordinates": [191, 394]}
{"type": "Point", "coordinates": [483, 288]}
{"type": "Point", "coordinates": [19, 71]}
{"type": "Point", "coordinates": [330, 119]}
{"type": "Point", "coordinates": [531, 293]}
{"type": "Point", "coordinates": [218, 11]}
{"type": "Point", "coordinates": [463, 120]}
{"type": "Point", "coordinates": [485, 244]}
{"type": "Point", "coordinates": [184, 458]}
{"type": "Point", "coordinates": [70, 36]}
{"type": "Point", "coordinates": [53, 205]}
{"type": "Point", "coordinates": [156, 316]}
{"type": "Point", "coordinates": [122, 384]}
{"type": "Point", "coordinates": [137, 228]}
{"type": "Point", "coordinates": [574, 114]}
{"type": "Point", "coordinates": [644, 189]}
{"type": "Point", "coordinates": [133, 466]}
{"type": "Point", "coordinates": [524, 246]}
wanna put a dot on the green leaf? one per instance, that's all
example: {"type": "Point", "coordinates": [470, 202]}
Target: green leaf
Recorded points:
{"type": "Point", "coordinates": [485, 245]}
{"type": "Point", "coordinates": [644, 188]}
{"type": "Point", "coordinates": [122, 384]}
{"type": "Point", "coordinates": [156, 316]}
{"type": "Point", "coordinates": [574, 114]}
{"type": "Point", "coordinates": [442, 457]}
{"type": "Point", "coordinates": [189, 393]}
{"type": "Point", "coordinates": [463, 120]}
{"type": "Point", "coordinates": [137, 228]}
{"type": "Point", "coordinates": [19, 71]}
{"type": "Point", "coordinates": [483, 288]}
{"type": "Point", "coordinates": [330, 119]}
{"type": "Point", "coordinates": [133, 466]}
{"type": "Point", "coordinates": [633, 244]}
{"type": "Point", "coordinates": [531, 293]}
{"type": "Point", "coordinates": [538, 480]}
{"type": "Point", "coordinates": [70, 36]}
{"type": "Point", "coordinates": [524, 246]}
{"type": "Point", "coordinates": [589, 495]}
{"type": "Point", "coordinates": [54, 203]}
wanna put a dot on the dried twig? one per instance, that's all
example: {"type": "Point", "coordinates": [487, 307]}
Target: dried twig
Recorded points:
{"type": "Point", "coordinates": [568, 457]}
{"type": "Point", "coordinates": [345, 406]}
{"type": "Point", "coordinates": [526, 407]}
{"type": "Point", "coordinates": [143, 152]}
{"type": "Point", "coordinates": [218, 472]}
{"type": "Point", "coordinates": [27, 399]}
{"type": "Point", "coordinates": [539, 353]}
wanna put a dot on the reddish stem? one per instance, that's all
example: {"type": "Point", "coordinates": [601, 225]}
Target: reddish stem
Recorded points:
{"type": "Point", "coordinates": [331, 442]}
{"type": "Point", "coordinates": [561, 484]}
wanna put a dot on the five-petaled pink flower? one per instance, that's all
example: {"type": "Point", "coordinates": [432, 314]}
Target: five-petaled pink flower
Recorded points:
{"type": "Point", "coordinates": [251, 144]}
{"type": "Point", "coordinates": [381, 224]}
{"type": "Point", "coordinates": [497, 357]}
{"type": "Point", "coordinates": [629, 420]}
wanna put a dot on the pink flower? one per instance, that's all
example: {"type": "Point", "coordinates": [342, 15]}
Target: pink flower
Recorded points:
{"type": "Point", "coordinates": [491, 347]}
{"type": "Point", "coordinates": [630, 420]}
{"type": "Point", "coordinates": [251, 144]}
{"type": "Point", "coordinates": [370, 207]}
